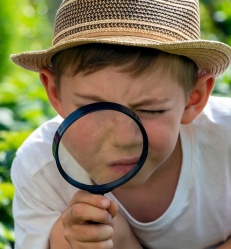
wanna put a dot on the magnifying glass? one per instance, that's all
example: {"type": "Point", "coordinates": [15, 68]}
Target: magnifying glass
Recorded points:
{"type": "Point", "coordinates": [100, 146]}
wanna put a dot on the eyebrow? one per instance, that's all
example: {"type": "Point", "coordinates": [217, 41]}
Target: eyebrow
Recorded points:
{"type": "Point", "coordinates": [151, 101]}
{"type": "Point", "coordinates": [145, 102]}
{"type": "Point", "coordinates": [89, 97]}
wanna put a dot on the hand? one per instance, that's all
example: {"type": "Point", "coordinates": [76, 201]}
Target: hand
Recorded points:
{"type": "Point", "coordinates": [92, 221]}
{"type": "Point", "coordinates": [88, 221]}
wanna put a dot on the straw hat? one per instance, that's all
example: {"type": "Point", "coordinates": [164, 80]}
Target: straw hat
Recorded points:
{"type": "Point", "coordinates": [172, 26]}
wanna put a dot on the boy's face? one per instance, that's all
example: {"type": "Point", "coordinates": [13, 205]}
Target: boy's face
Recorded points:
{"type": "Point", "coordinates": [157, 98]}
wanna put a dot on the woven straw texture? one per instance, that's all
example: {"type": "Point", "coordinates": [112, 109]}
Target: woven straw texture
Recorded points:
{"type": "Point", "coordinates": [169, 25]}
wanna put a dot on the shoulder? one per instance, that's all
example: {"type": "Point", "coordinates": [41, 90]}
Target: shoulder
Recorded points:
{"type": "Point", "coordinates": [36, 151]}
{"type": "Point", "coordinates": [210, 132]}
{"type": "Point", "coordinates": [216, 115]}
{"type": "Point", "coordinates": [218, 108]}
{"type": "Point", "coordinates": [211, 129]}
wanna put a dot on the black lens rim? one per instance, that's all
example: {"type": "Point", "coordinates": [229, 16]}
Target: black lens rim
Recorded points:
{"type": "Point", "coordinates": [77, 114]}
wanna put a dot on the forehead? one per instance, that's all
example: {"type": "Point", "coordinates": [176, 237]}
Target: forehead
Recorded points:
{"type": "Point", "coordinates": [111, 84]}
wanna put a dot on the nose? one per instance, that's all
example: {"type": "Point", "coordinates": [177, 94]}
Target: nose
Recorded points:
{"type": "Point", "coordinates": [126, 132]}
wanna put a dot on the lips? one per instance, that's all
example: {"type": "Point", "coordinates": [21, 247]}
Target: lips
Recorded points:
{"type": "Point", "coordinates": [124, 165]}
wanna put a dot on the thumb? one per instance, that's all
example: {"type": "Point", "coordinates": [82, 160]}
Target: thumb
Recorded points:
{"type": "Point", "coordinates": [113, 208]}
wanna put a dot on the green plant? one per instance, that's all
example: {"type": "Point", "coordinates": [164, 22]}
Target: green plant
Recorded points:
{"type": "Point", "coordinates": [23, 102]}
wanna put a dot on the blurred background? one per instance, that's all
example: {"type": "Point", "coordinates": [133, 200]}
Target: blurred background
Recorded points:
{"type": "Point", "coordinates": [27, 25]}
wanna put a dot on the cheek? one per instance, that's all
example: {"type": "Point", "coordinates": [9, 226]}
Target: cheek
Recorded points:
{"type": "Point", "coordinates": [162, 136]}
{"type": "Point", "coordinates": [79, 141]}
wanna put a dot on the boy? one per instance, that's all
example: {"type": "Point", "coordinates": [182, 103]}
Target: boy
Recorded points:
{"type": "Point", "coordinates": [148, 56]}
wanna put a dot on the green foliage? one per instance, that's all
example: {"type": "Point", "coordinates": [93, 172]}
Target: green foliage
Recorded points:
{"type": "Point", "coordinates": [216, 20]}
{"type": "Point", "coordinates": [26, 25]}
{"type": "Point", "coordinates": [6, 228]}
{"type": "Point", "coordinates": [216, 25]}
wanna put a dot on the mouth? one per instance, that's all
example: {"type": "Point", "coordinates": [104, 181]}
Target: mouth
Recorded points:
{"type": "Point", "coordinates": [124, 165]}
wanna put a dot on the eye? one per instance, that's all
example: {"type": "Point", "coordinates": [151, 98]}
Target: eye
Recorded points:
{"type": "Point", "coordinates": [151, 112]}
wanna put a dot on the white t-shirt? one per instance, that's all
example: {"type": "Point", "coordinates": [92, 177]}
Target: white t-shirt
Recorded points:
{"type": "Point", "coordinates": [198, 217]}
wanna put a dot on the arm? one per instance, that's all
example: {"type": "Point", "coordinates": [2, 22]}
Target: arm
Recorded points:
{"type": "Point", "coordinates": [57, 239]}
{"type": "Point", "coordinates": [123, 236]}
{"type": "Point", "coordinates": [73, 229]}
{"type": "Point", "coordinates": [226, 244]}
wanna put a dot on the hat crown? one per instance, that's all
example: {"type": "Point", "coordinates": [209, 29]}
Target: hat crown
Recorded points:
{"type": "Point", "coordinates": [160, 20]}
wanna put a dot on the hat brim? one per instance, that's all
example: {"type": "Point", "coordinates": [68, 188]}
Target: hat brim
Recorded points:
{"type": "Point", "coordinates": [211, 56]}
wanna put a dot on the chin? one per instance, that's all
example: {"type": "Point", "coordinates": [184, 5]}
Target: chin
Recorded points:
{"type": "Point", "coordinates": [136, 181]}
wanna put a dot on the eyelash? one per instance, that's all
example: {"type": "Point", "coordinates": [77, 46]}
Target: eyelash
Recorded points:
{"type": "Point", "coordinates": [152, 112]}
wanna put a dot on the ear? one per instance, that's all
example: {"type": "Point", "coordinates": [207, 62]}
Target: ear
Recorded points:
{"type": "Point", "coordinates": [48, 79]}
{"type": "Point", "coordinates": [198, 98]}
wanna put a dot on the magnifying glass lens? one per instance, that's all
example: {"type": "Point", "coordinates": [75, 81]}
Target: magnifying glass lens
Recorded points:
{"type": "Point", "coordinates": [101, 148]}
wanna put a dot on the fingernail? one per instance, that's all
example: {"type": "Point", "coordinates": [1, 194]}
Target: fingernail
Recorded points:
{"type": "Point", "coordinates": [109, 217]}
{"type": "Point", "coordinates": [105, 203]}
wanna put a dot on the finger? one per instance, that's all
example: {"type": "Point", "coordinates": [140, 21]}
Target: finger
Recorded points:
{"type": "Point", "coordinates": [108, 244]}
{"type": "Point", "coordinates": [82, 196]}
{"type": "Point", "coordinates": [89, 233]}
{"type": "Point", "coordinates": [113, 209]}
{"type": "Point", "coordinates": [81, 213]}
